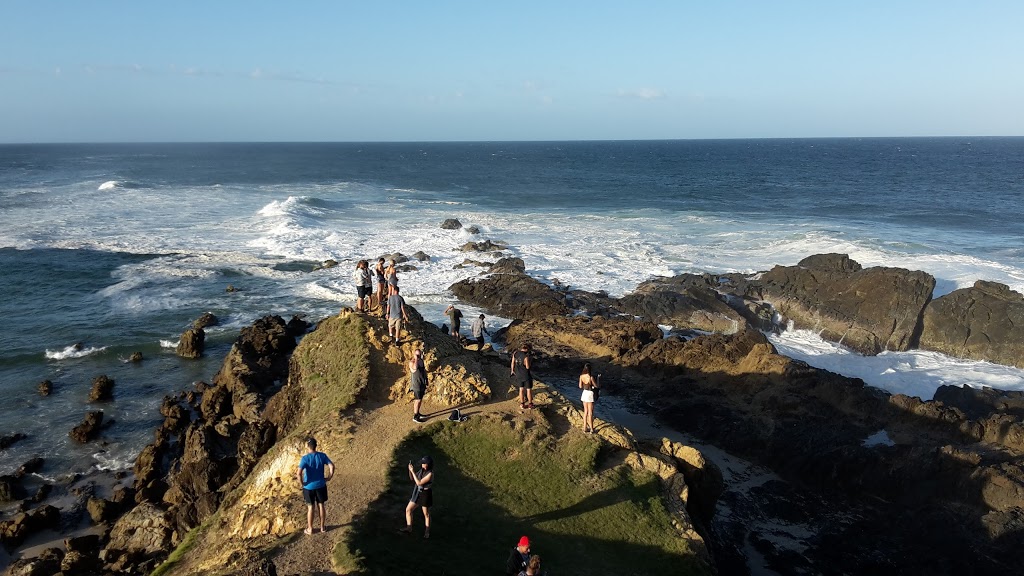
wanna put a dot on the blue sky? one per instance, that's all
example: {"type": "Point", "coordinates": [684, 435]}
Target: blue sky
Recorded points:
{"type": "Point", "coordinates": [401, 71]}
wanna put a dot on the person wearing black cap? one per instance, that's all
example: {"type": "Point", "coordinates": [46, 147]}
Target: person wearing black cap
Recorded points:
{"type": "Point", "coordinates": [318, 469]}
{"type": "Point", "coordinates": [422, 494]}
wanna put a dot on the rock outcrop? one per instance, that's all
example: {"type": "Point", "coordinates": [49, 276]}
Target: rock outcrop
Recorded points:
{"type": "Point", "coordinates": [192, 343]}
{"type": "Point", "coordinates": [102, 389]}
{"type": "Point", "coordinates": [694, 308]}
{"type": "Point", "coordinates": [451, 224]}
{"type": "Point", "coordinates": [984, 322]}
{"type": "Point", "coordinates": [89, 428]}
{"type": "Point", "coordinates": [870, 310]}
{"type": "Point", "coordinates": [514, 295]}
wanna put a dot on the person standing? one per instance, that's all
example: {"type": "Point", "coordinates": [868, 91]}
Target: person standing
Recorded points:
{"type": "Point", "coordinates": [422, 494]}
{"type": "Point", "coordinates": [391, 274]}
{"type": "Point", "coordinates": [455, 317]}
{"type": "Point", "coordinates": [417, 383]}
{"type": "Point", "coordinates": [396, 314]}
{"type": "Point", "coordinates": [589, 384]}
{"type": "Point", "coordinates": [382, 283]}
{"type": "Point", "coordinates": [315, 470]}
{"type": "Point", "coordinates": [523, 375]}
{"type": "Point", "coordinates": [479, 328]}
{"type": "Point", "coordinates": [364, 286]}
{"type": "Point", "coordinates": [519, 559]}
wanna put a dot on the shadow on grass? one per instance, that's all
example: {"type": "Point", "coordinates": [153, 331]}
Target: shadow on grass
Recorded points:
{"type": "Point", "coordinates": [473, 532]}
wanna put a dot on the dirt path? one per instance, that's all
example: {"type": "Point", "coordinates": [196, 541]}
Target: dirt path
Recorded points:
{"type": "Point", "coordinates": [361, 469]}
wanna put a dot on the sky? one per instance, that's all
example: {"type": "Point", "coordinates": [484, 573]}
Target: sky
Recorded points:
{"type": "Point", "coordinates": [129, 71]}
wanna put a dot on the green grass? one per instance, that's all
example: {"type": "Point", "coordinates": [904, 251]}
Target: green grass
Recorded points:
{"type": "Point", "coordinates": [333, 361]}
{"type": "Point", "coordinates": [495, 483]}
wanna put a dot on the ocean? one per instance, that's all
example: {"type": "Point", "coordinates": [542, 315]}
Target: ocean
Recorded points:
{"type": "Point", "coordinates": [110, 249]}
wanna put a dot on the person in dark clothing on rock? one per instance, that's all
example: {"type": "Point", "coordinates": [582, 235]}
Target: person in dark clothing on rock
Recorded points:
{"type": "Point", "coordinates": [523, 376]}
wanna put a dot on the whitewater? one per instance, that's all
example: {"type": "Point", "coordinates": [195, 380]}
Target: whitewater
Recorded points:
{"type": "Point", "coordinates": [109, 250]}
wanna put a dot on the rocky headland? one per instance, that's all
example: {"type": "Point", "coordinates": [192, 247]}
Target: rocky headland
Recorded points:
{"type": "Point", "coordinates": [878, 483]}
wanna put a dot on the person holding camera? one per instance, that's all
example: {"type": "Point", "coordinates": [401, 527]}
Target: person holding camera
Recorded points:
{"type": "Point", "coordinates": [315, 469]}
{"type": "Point", "coordinates": [590, 385]}
{"type": "Point", "coordinates": [422, 494]}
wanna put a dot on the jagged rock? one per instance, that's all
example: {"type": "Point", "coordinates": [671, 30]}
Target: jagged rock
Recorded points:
{"type": "Point", "coordinates": [89, 544]}
{"type": "Point", "coordinates": [398, 257]}
{"type": "Point", "coordinates": [468, 262]}
{"type": "Point", "coordinates": [695, 308]}
{"type": "Point", "coordinates": [135, 358]}
{"type": "Point", "coordinates": [32, 466]}
{"type": "Point", "coordinates": [192, 343]}
{"type": "Point", "coordinates": [11, 489]}
{"type": "Point", "coordinates": [230, 289]}
{"type": "Point", "coordinates": [205, 320]}
{"type": "Point", "coordinates": [484, 246]}
{"type": "Point", "coordinates": [100, 510]}
{"type": "Point", "coordinates": [144, 530]}
{"type": "Point", "coordinates": [47, 563]}
{"type": "Point", "coordinates": [176, 416]}
{"type": "Point", "coordinates": [8, 439]}
{"type": "Point", "coordinates": [508, 266]}
{"type": "Point", "coordinates": [511, 295]}
{"type": "Point", "coordinates": [329, 263]}
{"type": "Point", "coordinates": [869, 310]}
{"type": "Point", "coordinates": [42, 493]}
{"type": "Point", "coordinates": [451, 224]}
{"type": "Point", "coordinates": [298, 326]}
{"type": "Point", "coordinates": [13, 532]}
{"type": "Point", "coordinates": [102, 389]}
{"type": "Point", "coordinates": [984, 322]}
{"type": "Point", "coordinates": [80, 562]}
{"type": "Point", "coordinates": [610, 339]}
{"type": "Point", "coordinates": [89, 428]}
{"type": "Point", "coordinates": [421, 256]}
{"type": "Point", "coordinates": [979, 403]}
{"type": "Point", "coordinates": [45, 388]}
{"type": "Point", "coordinates": [473, 229]}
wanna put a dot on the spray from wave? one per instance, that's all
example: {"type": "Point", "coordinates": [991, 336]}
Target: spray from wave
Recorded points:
{"type": "Point", "coordinates": [72, 351]}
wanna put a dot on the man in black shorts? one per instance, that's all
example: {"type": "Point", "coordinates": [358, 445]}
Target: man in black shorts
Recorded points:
{"type": "Point", "coordinates": [318, 470]}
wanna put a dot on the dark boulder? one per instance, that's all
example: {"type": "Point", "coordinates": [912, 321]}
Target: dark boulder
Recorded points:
{"type": "Point", "coordinates": [451, 224]}
{"type": "Point", "coordinates": [192, 343]}
{"type": "Point", "coordinates": [484, 246]}
{"type": "Point", "coordinates": [869, 310]}
{"type": "Point", "coordinates": [45, 388]}
{"type": "Point", "coordinates": [511, 295]}
{"type": "Point", "coordinates": [81, 562]}
{"type": "Point", "coordinates": [11, 489]}
{"type": "Point", "coordinates": [979, 403]}
{"type": "Point", "coordinates": [473, 229]}
{"type": "Point", "coordinates": [468, 262]}
{"type": "Point", "coordinates": [984, 322]}
{"type": "Point", "coordinates": [14, 531]}
{"type": "Point", "coordinates": [329, 263]}
{"type": "Point", "coordinates": [298, 326]}
{"type": "Point", "coordinates": [102, 389]}
{"type": "Point", "coordinates": [47, 563]}
{"type": "Point", "coordinates": [398, 257]}
{"type": "Point", "coordinates": [205, 320]}
{"type": "Point", "coordinates": [231, 288]}
{"type": "Point", "coordinates": [8, 439]}
{"type": "Point", "coordinates": [421, 256]}
{"type": "Point", "coordinates": [89, 428]}
{"type": "Point", "coordinates": [135, 358]}
{"type": "Point", "coordinates": [508, 265]}
{"type": "Point", "coordinates": [31, 467]}
{"type": "Point", "coordinates": [695, 308]}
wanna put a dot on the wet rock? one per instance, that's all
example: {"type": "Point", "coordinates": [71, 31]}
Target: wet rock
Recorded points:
{"type": "Point", "coordinates": [13, 532]}
{"type": "Point", "coordinates": [11, 489]}
{"type": "Point", "coordinates": [231, 288]}
{"type": "Point", "coordinates": [205, 320]}
{"type": "Point", "coordinates": [398, 257]}
{"type": "Point", "coordinates": [45, 388]}
{"type": "Point", "coordinates": [176, 416]}
{"type": "Point", "coordinates": [979, 403]}
{"type": "Point", "coordinates": [695, 308]}
{"type": "Point", "coordinates": [42, 493]}
{"type": "Point", "coordinates": [32, 466]}
{"type": "Point", "coordinates": [511, 296]}
{"type": "Point", "coordinates": [473, 229]}
{"type": "Point", "coordinates": [984, 322]}
{"type": "Point", "coordinates": [467, 262]}
{"type": "Point", "coordinates": [298, 325]}
{"type": "Point", "coordinates": [329, 263]}
{"type": "Point", "coordinates": [451, 224]}
{"type": "Point", "coordinates": [508, 266]}
{"type": "Point", "coordinates": [135, 358]}
{"type": "Point", "coordinates": [8, 439]}
{"type": "Point", "coordinates": [421, 256]}
{"type": "Point", "coordinates": [192, 343]}
{"type": "Point", "coordinates": [102, 389]}
{"type": "Point", "coordinates": [870, 310]}
{"type": "Point", "coordinates": [484, 246]}
{"type": "Point", "coordinates": [89, 428]}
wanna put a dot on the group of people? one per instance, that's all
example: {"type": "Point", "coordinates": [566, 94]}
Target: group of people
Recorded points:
{"type": "Point", "coordinates": [385, 276]}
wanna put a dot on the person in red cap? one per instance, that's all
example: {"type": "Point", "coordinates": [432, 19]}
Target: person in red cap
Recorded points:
{"type": "Point", "coordinates": [519, 559]}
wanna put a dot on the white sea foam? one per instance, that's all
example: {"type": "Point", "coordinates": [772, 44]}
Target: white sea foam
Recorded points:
{"type": "Point", "coordinates": [108, 185]}
{"type": "Point", "coordinates": [914, 373]}
{"type": "Point", "coordinates": [169, 343]}
{"type": "Point", "coordinates": [108, 461]}
{"type": "Point", "coordinates": [73, 351]}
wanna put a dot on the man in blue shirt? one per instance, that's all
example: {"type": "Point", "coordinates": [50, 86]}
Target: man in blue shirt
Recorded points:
{"type": "Point", "coordinates": [315, 469]}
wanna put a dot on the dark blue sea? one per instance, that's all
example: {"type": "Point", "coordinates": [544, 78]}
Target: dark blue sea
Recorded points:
{"type": "Point", "coordinates": [110, 249]}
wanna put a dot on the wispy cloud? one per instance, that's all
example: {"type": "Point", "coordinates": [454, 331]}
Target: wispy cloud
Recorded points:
{"type": "Point", "coordinates": [642, 93]}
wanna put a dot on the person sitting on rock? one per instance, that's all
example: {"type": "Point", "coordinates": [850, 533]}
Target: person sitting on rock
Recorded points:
{"type": "Point", "coordinates": [315, 470]}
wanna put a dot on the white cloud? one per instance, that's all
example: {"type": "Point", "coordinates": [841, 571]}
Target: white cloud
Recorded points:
{"type": "Point", "coordinates": [642, 93]}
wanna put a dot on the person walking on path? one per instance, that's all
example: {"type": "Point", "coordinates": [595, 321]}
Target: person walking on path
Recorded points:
{"type": "Point", "coordinates": [589, 384]}
{"type": "Point", "coordinates": [455, 317]}
{"type": "Point", "coordinates": [364, 285]}
{"type": "Point", "coordinates": [396, 314]}
{"type": "Point", "coordinates": [315, 470]}
{"type": "Point", "coordinates": [478, 329]}
{"type": "Point", "coordinates": [417, 383]}
{"type": "Point", "coordinates": [519, 559]}
{"type": "Point", "coordinates": [524, 377]}
{"type": "Point", "coordinates": [382, 283]}
{"type": "Point", "coordinates": [422, 494]}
